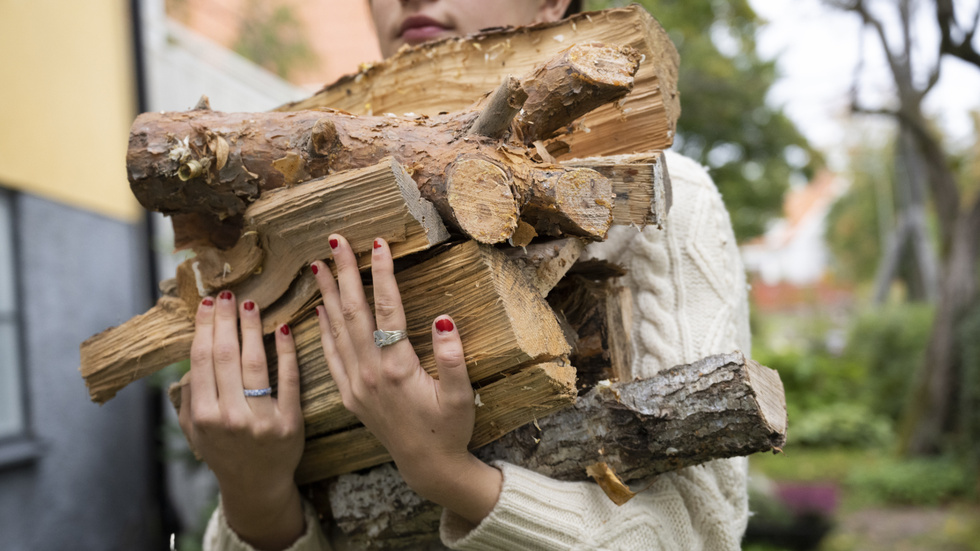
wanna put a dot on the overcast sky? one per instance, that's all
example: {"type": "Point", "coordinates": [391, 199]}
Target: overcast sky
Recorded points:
{"type": "Point", "coordinates": [818, 49]}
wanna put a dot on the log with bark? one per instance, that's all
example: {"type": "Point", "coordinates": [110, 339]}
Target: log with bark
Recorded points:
{"type": "Point", "coordinates": [446, 75]}
{"type": "Point", "coordinates": [721, 406]}
{"type": "Point", "coordinates": [204, 167]}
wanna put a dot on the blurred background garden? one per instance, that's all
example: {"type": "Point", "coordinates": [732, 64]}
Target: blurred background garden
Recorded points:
{"type": "Point", "coordinates": [844, 136]}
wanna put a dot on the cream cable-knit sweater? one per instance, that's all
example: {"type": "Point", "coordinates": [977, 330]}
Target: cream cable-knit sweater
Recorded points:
{"type": "Point", "coordinates": [689, 294]}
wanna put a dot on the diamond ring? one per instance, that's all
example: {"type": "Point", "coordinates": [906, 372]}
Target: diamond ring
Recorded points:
{"type": "Point", "coordinates": [258, 391]}
{"type": "Point", "coordinates": [385, 338]}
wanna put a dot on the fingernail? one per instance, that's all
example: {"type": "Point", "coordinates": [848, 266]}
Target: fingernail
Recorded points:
{"type": "Point", "coordinates": [207, 302]}
{"type": "Point", "coordinates": [318, 311]}
{"type": "Point", "coordinates": [444, 325]}
{"type": "Point", "coordinates": [313, 267]}
{"type": "Point", "coordinates": [284, 329]}
{"type": "Point", "coordinates": [249, 305]}
{"type": "Point", "coordinates": [225, 295]}
{"type": "Point", "coordinates": [377, 243]}
{"type": "Point", "coordinates": [334, 243]}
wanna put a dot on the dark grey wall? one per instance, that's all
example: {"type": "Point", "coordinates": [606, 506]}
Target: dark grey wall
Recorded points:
{"type": "Point", "coordinates": [89, 488]}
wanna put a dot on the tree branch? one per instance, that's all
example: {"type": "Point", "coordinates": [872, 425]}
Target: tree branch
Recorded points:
{"type": "Point", "coordinates": [963, 49]}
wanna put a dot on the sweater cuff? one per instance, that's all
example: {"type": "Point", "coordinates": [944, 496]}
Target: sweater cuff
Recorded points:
{"type": "Point", "coordinates": [532, 512]}
{"type": "Point", "coordinates": [220, 537]}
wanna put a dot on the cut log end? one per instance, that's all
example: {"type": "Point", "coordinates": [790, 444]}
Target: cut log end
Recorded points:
{"type": "Point", "coordinates": [573, 201]}
{"type": "Point", "coordinates": [771, 398]}
{"type": "Point", "coordinates": [482, 200]}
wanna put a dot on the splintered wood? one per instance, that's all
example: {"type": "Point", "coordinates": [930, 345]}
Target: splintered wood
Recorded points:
{"type": "Point", "coordinates": [503, 323]}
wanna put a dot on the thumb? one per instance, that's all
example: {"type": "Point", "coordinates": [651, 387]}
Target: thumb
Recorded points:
{"type": "Point", "coordinates": [454, 381]}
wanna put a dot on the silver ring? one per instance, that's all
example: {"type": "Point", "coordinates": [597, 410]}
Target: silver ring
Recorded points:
{"type": "Point", "coordinates": [385, 338]}
{"type": "Point", "coordinates": [258, 391]}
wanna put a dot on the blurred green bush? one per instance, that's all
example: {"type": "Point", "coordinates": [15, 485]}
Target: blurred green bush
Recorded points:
{"type": "Point", "coordinates": [854, 398]}
{"type": "Point", "coordinates": [925, 481]}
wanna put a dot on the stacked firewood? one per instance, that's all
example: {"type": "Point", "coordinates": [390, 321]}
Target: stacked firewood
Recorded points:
{"type": "Point", "coordinates": [493, 158]}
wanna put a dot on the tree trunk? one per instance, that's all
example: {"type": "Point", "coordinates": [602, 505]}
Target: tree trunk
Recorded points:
{"type": "Point", "coordinates": [930, 417]}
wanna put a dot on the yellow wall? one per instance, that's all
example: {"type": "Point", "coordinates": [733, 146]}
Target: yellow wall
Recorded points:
{"type": "Point", "coordinates": [67, 99]}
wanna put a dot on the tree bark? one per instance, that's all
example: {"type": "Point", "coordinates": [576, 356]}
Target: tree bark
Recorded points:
{"type": "Point", "coordinates": [721, 406]}
{"type": "Point", "coordinates": [931, 414]}
{"type": "Point", "coordinates": [209, 166]}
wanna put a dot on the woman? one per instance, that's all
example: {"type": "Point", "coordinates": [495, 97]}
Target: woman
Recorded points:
{"type": "Point", "coordinates": [689, 293]}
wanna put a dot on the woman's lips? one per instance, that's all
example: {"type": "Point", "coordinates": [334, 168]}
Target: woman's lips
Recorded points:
{"type": "Point", "coordinates": [419, 28]}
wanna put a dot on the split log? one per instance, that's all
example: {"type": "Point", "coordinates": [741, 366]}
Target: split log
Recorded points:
{"type": "Point", "coordinates": [446, 75]}
{"type": "Point", "coordinates": [503, 322]}
{"type": "Point", "coordinates": [287, 230]}
{"type": "Point", "coordinates": [546, 263]}
{"type": "Point", "coordinates": [206, 167]}
{"type": "Point", "coordinates": [640, 183]}
{"type": "Point", "coordinates": [721, 406]}
{"type": "Point", "coordinates": [502, 406]}
{"type": "Point", "coordinates": [141, 346]}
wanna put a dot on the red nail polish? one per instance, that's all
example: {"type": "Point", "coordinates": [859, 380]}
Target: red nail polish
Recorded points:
{"type": "Point", "coordinates": [334, 243]}
{"type": "Point", "coordinates": [249, 305]}
{"type": "Point", "coordinates": [314, 269]}
{"type": "Point", "coordinates": [284, 329]}
{"type": "Point", "coordinates": [207, 302]}
{"type": "Point", "coordinates": [377, 243]}
{"type": "Point", "coordinates": [444, 325]}
{"type": "Point", "coordinates": [225, 295]}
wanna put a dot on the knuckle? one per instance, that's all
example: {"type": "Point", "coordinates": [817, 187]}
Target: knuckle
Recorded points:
{"type": "Point", "coordinates": [385, 306]}
{"type": "Point", "coordinates": [449, 355]}
{"type": "Point", "coordinates": [336, 328]}
{"type": "Point", "coordinates": [461, 401]}
{"type": "Point", "coordinates": [350, 311]}
{"type": "Point", "coordinates": [264, 430]}
{"type": "Point", "coordinates": [200, 355]}
{"type": "Point", "coordinates": [394, 373]}
{"type": "Point", "coordinates": [288, 431]}
{"type": "Point", "coordinates": [226, 353]}
{"type": "Point", "coordinates": [205, 419]}
{"type": "Point", "coordinates": [234, 422]}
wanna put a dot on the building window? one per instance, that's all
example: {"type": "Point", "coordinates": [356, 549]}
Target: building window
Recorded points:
{"type": "Point", "coordinates": [12, 419]}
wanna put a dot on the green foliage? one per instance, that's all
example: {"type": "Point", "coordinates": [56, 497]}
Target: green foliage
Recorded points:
{"type": "Point", "coordinates": [853, 399]}
{"type": "Point", "coordinates": [891, 343]}
{"type": "Point", "coordinates": [271, 36]}
{"type": "Point", "coordinates": [854, 224]}
{"type": "Point", "coordinates": [752, 148]}
{"type": "Point", "coordinates": [969, 410]}
{"type": "Point", "coordinates": [911, 482]}
{"type": "Point", "coordinates": [854, 425]}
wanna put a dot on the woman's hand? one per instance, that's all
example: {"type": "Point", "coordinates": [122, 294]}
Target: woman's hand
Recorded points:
{"type": "Point", "coordinates": [253, 444]}
{"type": "Point", "coordinates": [424, 423]}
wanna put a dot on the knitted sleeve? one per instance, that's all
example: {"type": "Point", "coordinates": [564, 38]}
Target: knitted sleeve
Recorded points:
{"type": "Point", "coordinates": [690, 301]}
{"type": "Point", "coordinates": [220, 537]}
